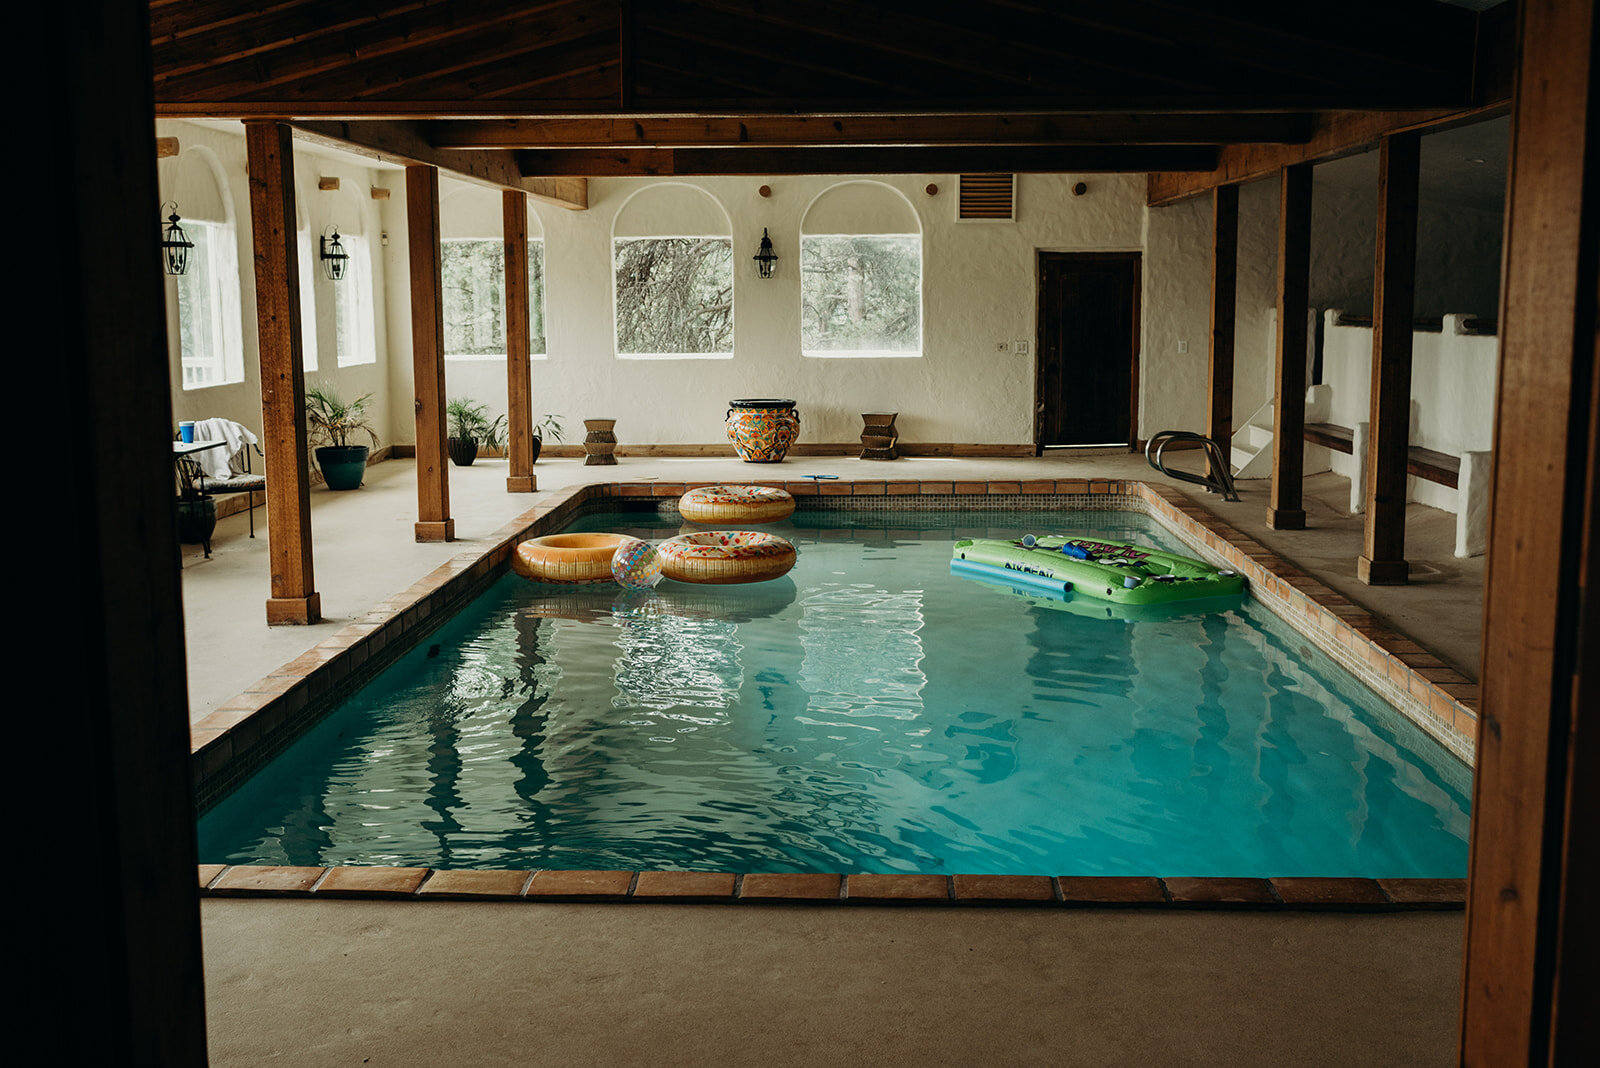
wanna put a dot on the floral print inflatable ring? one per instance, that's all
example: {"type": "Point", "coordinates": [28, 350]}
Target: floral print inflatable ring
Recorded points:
{"type": "Point", "coordinates": [735, 504]}
{"type": "Point", "coordinates": [726, 556]}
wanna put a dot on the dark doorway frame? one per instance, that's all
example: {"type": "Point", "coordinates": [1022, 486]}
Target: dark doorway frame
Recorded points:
{"type": "Point", "coordinates": [1043, 257]}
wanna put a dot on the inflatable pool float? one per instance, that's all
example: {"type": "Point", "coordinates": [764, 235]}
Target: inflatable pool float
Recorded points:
{"type": "Point", "coordinates": [1098, 607]}
{"type": "Point", "coordinates": [567, 558]}
{"type": "Point", "coordinates": [735, 504]}
{"type": "Point", "coordinates": [726, 556]}
{"type": "Point", "coordinates": [1113, 571]}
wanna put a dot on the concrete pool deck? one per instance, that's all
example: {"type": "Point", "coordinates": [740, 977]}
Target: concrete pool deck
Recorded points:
{"type": "Point", "coordinates": [1360, 972]}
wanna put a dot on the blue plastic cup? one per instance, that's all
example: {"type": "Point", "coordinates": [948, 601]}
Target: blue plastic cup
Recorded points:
{"type": "Point", "coordinates": [186, 431]}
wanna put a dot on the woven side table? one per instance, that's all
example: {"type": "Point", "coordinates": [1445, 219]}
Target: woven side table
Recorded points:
{"type": "Point", "coordinates": [599, 443]}
{"type": "Point", "coordinates": [878, 436]}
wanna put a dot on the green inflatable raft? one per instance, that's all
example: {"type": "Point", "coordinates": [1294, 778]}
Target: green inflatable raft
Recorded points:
{"type": "Point", "coordinates": [1118, 572]}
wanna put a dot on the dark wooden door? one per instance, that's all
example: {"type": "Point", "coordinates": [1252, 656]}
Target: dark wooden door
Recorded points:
{"type": "Point", "coordinates": [1088, 353]}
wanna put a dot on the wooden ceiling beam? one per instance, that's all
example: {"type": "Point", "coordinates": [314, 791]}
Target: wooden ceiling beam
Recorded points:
{"type": "Point", "coordinates": [868, 131]}
{"type": "Point", "coordinates": [1335, 135]}
{"type": "Point", "coordinates": [402, 143]}
{"type": "Point", "coordinates": [1025, 159]}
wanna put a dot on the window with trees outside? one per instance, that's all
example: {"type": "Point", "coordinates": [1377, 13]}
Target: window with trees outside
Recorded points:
{"type": "Point", "coordinates": [674, 297]}
{"type": "Point", "coordinates": [355, 331]}
{"type": "Point", "coordinates": [210, 338]}
{"type": "Point", "coordinates": [474, 274]}
{"type": "Point", "coordinates": [861, 294]}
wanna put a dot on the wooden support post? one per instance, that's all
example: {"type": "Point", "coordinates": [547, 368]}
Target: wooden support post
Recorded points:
{"type": "Point", "coordinates": [1224, 288]}
{"type": "Point", "coordinates": [117, 962]}
{"type": "Point", "coordinates": [1383, 557]}
{"type": "Point", "coordinates": [427, 355]}
{"type": "Point", "coordinates": [269, 151]}
{"type": "Point", "coordinates": [1285, 512]}
{"type": "Point", "coordinates": [519, 372]}
{"type": "Point", "coordinates": [1529, 980]}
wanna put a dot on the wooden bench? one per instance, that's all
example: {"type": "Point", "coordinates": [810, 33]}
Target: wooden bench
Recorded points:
{"type": "Point", "coordinates": [1434, 466]}
{"type": "Point", "coordinates": [1431, 465]}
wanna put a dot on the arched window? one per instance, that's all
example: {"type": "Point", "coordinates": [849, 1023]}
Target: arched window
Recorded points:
{"type": "Point", "coordinates": [209, 334]}
{"type": "Point", "coordinates": [672, 275]}
{"type": "Point", "coordinates": [861, 273]}
{"type": "Point", "coordinates": [473, 268]}
{"type": "Point", "coordinates": [354, 325]}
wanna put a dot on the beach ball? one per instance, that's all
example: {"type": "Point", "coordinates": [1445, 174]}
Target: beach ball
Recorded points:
{"type": "Point", "coordinates": [636, 565]}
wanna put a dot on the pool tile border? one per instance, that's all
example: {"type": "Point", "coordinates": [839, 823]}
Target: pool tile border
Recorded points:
{"type": "Point", "coordinates": [249, 729]}
{"type": "Point", "coordinates": [811, 888]}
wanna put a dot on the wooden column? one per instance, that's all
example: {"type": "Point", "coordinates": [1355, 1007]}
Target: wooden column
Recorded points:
{"type": "Point", "coordinates": [1285, 511]}
{"type": "Point", "coordinates": [427, 355]}
{"type": "Point", "coordinates": [1383, 556]}
{"type": "Point", "coordinates": [1529, 982]}
{"type": "Point", "coordinates": [519, 372]}
{"type": "Point", "coordinates": [269, 151]}
{"type": "Point", "coordinates": [1224, 289]}
{"type": "Point", "coordinates": [118, 954]}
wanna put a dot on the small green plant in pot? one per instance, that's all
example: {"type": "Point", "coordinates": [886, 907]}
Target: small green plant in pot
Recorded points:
{"type": "Point", "coordinates": [550, 425]}
{"type": "Point", "coordinates": [470, 427]}
{"type": "Point", "coordinates": [331, 426]}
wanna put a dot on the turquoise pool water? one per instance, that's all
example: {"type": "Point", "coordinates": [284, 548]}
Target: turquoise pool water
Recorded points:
{"type": "Point", "coordinates": [870, 712]}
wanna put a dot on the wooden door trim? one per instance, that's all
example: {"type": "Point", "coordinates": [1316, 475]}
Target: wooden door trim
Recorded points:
{"type": "Point", "coordinates": [1043, 256]}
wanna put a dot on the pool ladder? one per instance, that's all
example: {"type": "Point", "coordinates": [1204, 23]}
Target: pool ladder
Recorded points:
{"type": "Point", "coordinates": [1219, 482]}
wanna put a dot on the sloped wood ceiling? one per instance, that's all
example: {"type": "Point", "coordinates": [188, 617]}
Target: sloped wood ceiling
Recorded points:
{"type": "Point", "coordinates": [593, 87]}
{"type": "Point", "coordinates": [508, 57]}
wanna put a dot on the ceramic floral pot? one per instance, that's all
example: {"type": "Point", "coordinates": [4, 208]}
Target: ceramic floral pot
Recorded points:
{"type": "Point", "coordinates": [762, 430]}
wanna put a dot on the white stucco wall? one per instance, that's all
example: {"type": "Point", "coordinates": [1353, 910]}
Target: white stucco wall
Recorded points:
{"type": "Point", "coordinates": [1458, 264]}
{"type": "Point", "coordinates": [979, 296]}
{"type": "Point", "coordinates": [351, 208]}
{"type": "Point", "coordinates": [979, 291]}
{"type": "Point", "coordinates": [1452, 394]}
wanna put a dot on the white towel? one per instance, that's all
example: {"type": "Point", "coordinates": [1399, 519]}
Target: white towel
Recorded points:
{"type": "Point", "coordinates": [215, 462]}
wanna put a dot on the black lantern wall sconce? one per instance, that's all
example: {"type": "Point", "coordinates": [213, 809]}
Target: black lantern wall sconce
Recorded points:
{"type": "Point", "coordinates": [334, 257]}
{"type": "Point", "coordinates": [175, 244]}
{"type": "Point", "coordinates": [764, 256]}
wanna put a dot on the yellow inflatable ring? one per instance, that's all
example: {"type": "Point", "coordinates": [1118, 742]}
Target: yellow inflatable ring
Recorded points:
{"type": "Point", "coordinates": [735, 504]}
{"type": "Point", "coordinates": [566, 557]}
{"type": "Point", "coordinates": [725, 556]}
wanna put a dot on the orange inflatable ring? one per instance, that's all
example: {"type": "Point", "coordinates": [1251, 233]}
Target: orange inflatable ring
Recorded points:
{"type": "Point", "coordinates": [725, 556]}
{"type": "Point", "coordinates": [735, 504]}
{"type": "Point", "coordinates": [566, 557]}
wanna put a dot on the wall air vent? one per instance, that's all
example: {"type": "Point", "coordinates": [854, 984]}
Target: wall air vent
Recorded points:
{"type": "Point", "coordinates": [987, 197]}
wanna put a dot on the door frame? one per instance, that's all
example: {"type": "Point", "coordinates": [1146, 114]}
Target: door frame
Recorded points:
{"type": "Point", "coordinates": [1042, 256]}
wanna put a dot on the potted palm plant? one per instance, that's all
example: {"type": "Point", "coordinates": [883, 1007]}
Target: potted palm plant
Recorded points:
{"type": "Point", "coordinates": [331, 425]}
{"type": "Point", "coordinates": [470, 427]}
{"type": "Point", "coordinates": [551, 425]}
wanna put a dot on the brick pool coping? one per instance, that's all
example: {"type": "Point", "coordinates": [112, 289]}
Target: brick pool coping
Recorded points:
{"type": "Point", "coordinates": [789, 888]}
{"type": "Point", "coordinates": [249, 729]}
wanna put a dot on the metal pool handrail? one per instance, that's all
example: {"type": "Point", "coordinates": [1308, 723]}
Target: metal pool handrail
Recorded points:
{"type": "Point", "coordinates": [1221, 482]}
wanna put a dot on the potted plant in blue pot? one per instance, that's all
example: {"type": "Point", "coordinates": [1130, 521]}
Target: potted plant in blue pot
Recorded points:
{"type": "Point", "coordinates": [331, 424]}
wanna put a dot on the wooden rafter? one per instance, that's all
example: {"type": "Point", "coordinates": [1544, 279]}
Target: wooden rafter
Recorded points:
{"type": "Point", "coordinates": [1024, 159]}
{"type": "Point", "coordinates": [1333, 135]}
{"type": "Point", "coordinates": [869, 131]}
{"type": "Point", "coordinates": [403, 143]}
